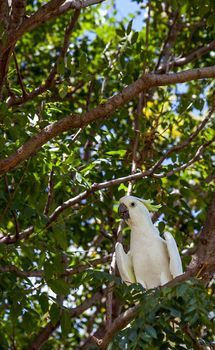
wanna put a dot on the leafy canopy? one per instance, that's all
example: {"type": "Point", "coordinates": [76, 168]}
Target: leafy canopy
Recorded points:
{"type": "Point", "coordinates": [59, 217]}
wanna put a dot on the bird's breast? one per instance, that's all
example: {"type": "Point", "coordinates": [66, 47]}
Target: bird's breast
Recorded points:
{"type": "Point", "coordinates": [150, 259]}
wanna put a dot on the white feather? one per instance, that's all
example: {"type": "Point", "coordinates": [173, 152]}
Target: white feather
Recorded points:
{"type": "Point", "coordinates": [124, 264]}
{"type": "Point", "coordinates": [175, 259]}
{"type": "Point", "coordinates": [155, 261]}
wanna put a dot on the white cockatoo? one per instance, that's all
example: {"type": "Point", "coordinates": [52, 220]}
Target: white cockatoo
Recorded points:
{"type": "Point", "coordinates": [151, 260]}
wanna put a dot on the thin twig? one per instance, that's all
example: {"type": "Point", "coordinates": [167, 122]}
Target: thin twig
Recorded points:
{"type": "Point", "coordinates": [149, 172]}
{"type": "Point", "coordinates": [68, 272]}
{"type": "Point", "coordinates": [126, 317]}
{"type": "Point", "coordinates": [95, 187]}
{"type": "Point", "coordinates": [50, 79]}
{"type": "Point", "coordinates": [168, 43]}
{"type": "Point", "coordinates": [50, 192]}
{"type": "Point", "coordinates": [186, 329]}
{"type": "Point", "coordinates": [12, 195]}
{"type": "Point", "coordinates": [148, 24]}
{"type": "Point", "coordinates": [19, 75]}
{"type": "Point", "coordinates": [10, 201]}
{"type": "Point", "coordinates": [136, 127]}
{"type": "Point", "coordinates": [190, 57]}
{"type": "Point", "coordinates": [102, 111]}
{"type": "Point", "coordinates": [46, 331]}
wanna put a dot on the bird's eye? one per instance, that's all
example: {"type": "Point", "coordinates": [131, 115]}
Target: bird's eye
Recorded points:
{"type": "Point", "coordinates": [132, 204]}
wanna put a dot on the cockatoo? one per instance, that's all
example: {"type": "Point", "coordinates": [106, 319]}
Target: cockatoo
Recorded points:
{"type": "Point", "coordinates": [152, 260]}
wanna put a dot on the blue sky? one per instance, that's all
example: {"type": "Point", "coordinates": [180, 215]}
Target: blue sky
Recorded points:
{"type": "Point", "coordinates": [125, 7]}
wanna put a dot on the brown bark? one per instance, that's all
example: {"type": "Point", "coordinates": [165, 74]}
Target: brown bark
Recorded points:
{"type": "Point", "coordinates": [204, 257]}
{"type": "Point", "coordinates": [102, 111]}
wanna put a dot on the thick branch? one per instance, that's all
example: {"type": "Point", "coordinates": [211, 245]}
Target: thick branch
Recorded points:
{"type": "Point", "coordinates": [96, 187]}
{"type": "Point", "coordinates": [4, 63]}
{"type": "Point", "coordinates": [126, 317]}
{"type": "Point", "coordinates": [204, 254]}
{"type": "Point", "coordinates": [119, 323]}
{"type": "Point", "coordinates": [73, 4]}
{"type": "Point", "coordinates": [18, 13]}
{"type": "Point", "coordinates": [52, 9]}
{"type": "Point", "coordinates": [101, 112]}
{"type": "Point", "coordinates": [13, 239]}
{"type": "Point", "coordinates": [37, 18]}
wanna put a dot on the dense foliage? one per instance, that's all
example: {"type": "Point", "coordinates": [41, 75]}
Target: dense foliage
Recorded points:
{"type": "Point", "coordinates": [59, 220]}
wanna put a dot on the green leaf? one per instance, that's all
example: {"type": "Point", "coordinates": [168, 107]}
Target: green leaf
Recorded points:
{"type": "Point", "coordinates": [181, 290]}
{"type": "Point", "coordinates": [65, 322]}
{"type": "Point", "coordinates": [55, 314]}
{"type": "Point", "coordinates": [151, 331]}
{"type": "Point", "coordinates": [120, 152]}
{"type": "Point", "coordinates": [59, 286]}
{"type": "Point", "coordinates": [129, 27]}
{"type": "Point", "coordinates": [63, 90]}
{"type": "Point", "coordinates": [61, 67]}
{"type": "Point", "coordinates": [134, 37]}
{"type": "Point", "coordinates": [120, 32]}
{"type": "Point", "coordinates": [44, 302]}
{"type": "Point", "coordinates": [48, 269]}
{"type": "Point", "coordinates": [78, 177]}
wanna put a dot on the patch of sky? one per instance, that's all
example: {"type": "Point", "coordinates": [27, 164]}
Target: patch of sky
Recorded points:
{"type": "Point", "coordinates": [130, 9]}
{"type": "Point", "coordinates": [182, 88]}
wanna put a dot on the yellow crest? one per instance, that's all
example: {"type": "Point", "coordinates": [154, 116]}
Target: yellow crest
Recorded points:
{"type": "Point", "coordinates": [148, 204]}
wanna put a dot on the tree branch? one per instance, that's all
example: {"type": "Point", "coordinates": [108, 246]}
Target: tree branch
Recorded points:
{"type": "Point", "coordinates": [19, 75]}
{"type": "Point", "coordinates": [49, 81]}
{"type": "Point", "coordinates": [98, 186]}
{"type": "Point", "coordinates": [186, 329]}
{"type": "Point", "coordinates": [67, 272]}
{"type": "Point", "coordinates": [204, 254]}
{"type": "Point", "coordinates": [36, 19]}
{"type": "Point", "coordinates": [192, 56]}
{"type": "Point", "coordinates": [81, 268]}
{"type": "Point", "coordinates": [20, 273]}
{"type": "Point", "coordinates": [50, 193]}
{"type": "Point", "coordinates": [73, 4]}
{"type": "Point", "coordinates": [18, 13]}
{"type": "Point", "coordinates": [100, 112]}
{"type": "Point", "coordinates": [126, 317]}
{"type": "Point", "coordinates": [169, 42]}
{"type": "Point", "coordinates": [46, 331]}
{"type": "Point", "coordinates": [51, 10]}
{"type": "Point", "coordinates": [196, 157]}
{"type": "Point", "coordinates": [13, 239]}
{"type": "Point", "coordinates": [150, 172]}
{"type": "Point", "coordinates": [207, 235]}
{"type": "Point", "coordinates": [119, 323]}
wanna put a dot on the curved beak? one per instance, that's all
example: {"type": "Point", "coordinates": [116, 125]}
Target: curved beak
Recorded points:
{"type": "Point", "coordinates": [123, 211]}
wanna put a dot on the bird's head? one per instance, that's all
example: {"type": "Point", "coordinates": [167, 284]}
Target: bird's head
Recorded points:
{"type": "Point", "coordinates": [134, 210]}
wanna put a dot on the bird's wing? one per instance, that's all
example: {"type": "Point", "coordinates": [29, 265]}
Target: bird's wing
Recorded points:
{"type": "Point", "coordinates": [124, 264]}
{"type": "Point", "coordinates": [175, 259]}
